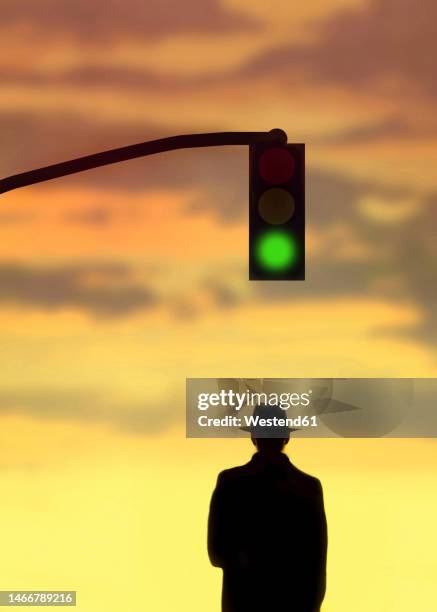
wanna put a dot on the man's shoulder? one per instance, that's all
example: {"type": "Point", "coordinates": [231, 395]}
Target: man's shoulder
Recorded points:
{"type": "Point", "coordinates": [233, 473]}
{"type": "Point", "coordinates": [311, 483]}
{"type": "Point", "coordinates": [308, 478]}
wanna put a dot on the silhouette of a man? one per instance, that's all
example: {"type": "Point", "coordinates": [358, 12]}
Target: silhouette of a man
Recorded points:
{"type": "Point", "coordinates": [267, 529]}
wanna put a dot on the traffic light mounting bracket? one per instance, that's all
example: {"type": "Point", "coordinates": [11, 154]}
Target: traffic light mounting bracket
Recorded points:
{"type": "Point", "coordinates": [152, 147]}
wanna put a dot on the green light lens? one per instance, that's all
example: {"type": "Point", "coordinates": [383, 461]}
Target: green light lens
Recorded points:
{"type": "Point", "coordinates": [276, 251]}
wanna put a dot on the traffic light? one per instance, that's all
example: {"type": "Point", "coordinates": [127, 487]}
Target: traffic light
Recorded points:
{"type": "Point", "coordinates": [277, 211]}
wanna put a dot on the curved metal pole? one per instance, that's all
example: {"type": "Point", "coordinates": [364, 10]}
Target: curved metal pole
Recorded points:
{"type": "Point", "coordinates": [113, 156]}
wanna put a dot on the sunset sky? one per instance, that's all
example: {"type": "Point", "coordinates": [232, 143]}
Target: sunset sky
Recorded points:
{"type": "Point", "coordinates": [117, 284]}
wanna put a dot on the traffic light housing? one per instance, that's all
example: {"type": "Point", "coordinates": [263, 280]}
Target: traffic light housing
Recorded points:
{"type": "Point", "coordinates": [277, 211]}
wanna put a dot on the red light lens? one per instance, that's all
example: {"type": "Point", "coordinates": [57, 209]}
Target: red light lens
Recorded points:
{"type": "Point", "coordinates": [276, 165]}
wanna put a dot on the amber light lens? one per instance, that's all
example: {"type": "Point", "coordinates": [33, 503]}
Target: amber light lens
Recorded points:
{"type": "Point", "coordinates": [276, 206]}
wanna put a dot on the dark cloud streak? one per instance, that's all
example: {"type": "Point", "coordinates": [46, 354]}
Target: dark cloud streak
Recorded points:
{"type": "Point", "coordinates": [387, 45]}
{"type": "Point", "coordinates": [115, 20]}
{"type": "Point", "coordinates": [101, 290]}
{"type": "Point", "coordinates": [95, 406]}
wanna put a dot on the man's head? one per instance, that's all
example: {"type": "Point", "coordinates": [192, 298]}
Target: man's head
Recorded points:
{"type": "Point", "coordinates": [270, 446]}
{"type": "Point", "coordinates": [269, 431]}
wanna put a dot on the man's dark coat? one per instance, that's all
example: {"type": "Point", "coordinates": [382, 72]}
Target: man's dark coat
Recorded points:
{"type": "Point", "coordinates": [267, 530]}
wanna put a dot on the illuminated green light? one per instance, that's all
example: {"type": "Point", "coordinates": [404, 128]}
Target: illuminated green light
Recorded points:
{"type": "Point", "coordinates": [276, 251]}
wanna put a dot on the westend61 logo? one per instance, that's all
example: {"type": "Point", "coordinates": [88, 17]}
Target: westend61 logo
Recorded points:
{"type": "Point", "coordinates": [232, 399]}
